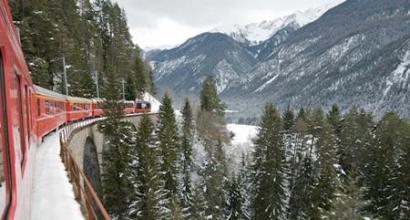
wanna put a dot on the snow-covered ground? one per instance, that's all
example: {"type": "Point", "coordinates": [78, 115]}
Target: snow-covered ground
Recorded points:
{"type": "Point", "coordinates": [52, 195]}
{"type": "Point", "coordinates": [242, 142]}
{"type": "Point", "coordinates": [155, 104]}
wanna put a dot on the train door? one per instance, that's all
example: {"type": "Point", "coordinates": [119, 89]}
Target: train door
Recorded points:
{"type": "Point", "coordinates": [5, 193]}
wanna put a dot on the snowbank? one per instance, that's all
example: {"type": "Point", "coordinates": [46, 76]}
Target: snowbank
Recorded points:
{"type": "Point", "coordinates": [52, 195]}
{"type": "Point", "coordinates": [242, 142]}
{"type": "Point", "coordinates": [243, 133]}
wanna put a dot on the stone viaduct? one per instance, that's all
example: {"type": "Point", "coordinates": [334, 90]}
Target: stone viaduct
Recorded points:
{"type": "Point", "coordinates": [87, 147]}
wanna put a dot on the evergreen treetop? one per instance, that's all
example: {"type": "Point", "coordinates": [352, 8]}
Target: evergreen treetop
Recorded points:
{"type": "Point", "coordinates": [210, 101]}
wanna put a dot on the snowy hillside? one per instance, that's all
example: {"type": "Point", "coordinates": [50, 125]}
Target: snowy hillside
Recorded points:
{"type": "Point", "coordinates": [255, 33]}
{"type": "Point", "coordinates": [241, 144]}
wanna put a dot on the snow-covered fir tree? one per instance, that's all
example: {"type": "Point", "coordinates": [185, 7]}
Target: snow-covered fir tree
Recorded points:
{"type": "Point", "coordinates": [348, 202]}
{"type": "Point", "coordinates": [116, 182]}
{"type": "Point", "coordinates": [199, 204]}
{"type": "Point", "coordinates": [147, 198]}
{"type": "Point", "coordinates": [187, 158]}
{"type": "Point", "coordinates": [269, 165]}
{"type": "Point", "coordinates": [169, 146]}
{"type": "Point", "coordinates": [324, 186]}
{"type": "Point", "coordinates": [235, 209]}
{"type": "Point", "coordinates": [215, 178]}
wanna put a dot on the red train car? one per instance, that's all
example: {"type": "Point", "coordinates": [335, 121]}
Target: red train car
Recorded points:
{"type": "Point", "coordinates": [50, 110]}
{"type": "Point", "coordinates": [78, 108]}
{"type": "Point", "coordinates": [17, 138]}
{"type": "Point", "coordinates": [129, 107]}
{"type": "Point", "coordinates": [98, 107]}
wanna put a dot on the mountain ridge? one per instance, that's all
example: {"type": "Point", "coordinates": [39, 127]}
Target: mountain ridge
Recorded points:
{"type": "Point", "coordinates": [350, 56]}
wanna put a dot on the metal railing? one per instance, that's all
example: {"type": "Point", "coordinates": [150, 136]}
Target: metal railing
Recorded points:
{"type": "Point", "coordinates": [91, 205]}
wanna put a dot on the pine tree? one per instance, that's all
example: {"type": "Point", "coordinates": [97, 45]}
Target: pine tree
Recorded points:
{"type": "Point", "coordinates": [323, 188]}
{"type": "Point", "coordinates": [383, 166]}
{"type": "Point", "coordinates": [130, 89]}
{"type": "Point", "coordinates": [150, 79]}
{"type": "Point", "coordinates": [169, 146]}
{"type": "Point", "coordinates": [301, 193]}
{"type": "Point", "coordinates": [348, 203]}
{"type": "Point", "coordinates": [334, 118]}
{"type": "Point", "coordinates": [269, 167]}
{"type": "Point", "coordinates": [146, 203]}
{"type": "Point", "coordinates": [139, 75]}
{"type": "Point", "coordinates": [400, 188]}
{"type": "Point", "coordinates": [174, 211]}
{"type": "Point", "coordinates": [302, 171]}
{"type": "Point", "coordinates": [245, 179]}
{"type": "Point", "coordinates": [187, 141]}
{"type": "Point", "coordinates": [199, 205]}
{"type": "Point", "coordinates": [116, 182]}
{"type": "Point", "coordinates": [288, 120]}
{"type": "Point", "coordinates": [366, 135]}
{"type": "Point", "coordinates": [215, 179]}
{"type": "Point", "coordinates": [210, 101]}
{"type": "Point", "coordinates": [349, 136]}
{"type": "Point", "coordinates": [235, 202]}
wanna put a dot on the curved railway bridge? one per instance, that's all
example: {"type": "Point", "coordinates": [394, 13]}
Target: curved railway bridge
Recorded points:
{"type": "Point", "coordinates": [72, 180]}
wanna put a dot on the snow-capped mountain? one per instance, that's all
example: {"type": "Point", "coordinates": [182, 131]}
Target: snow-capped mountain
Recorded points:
{"type": "Point", "coordinates": [255, 33]}
{"type": "Point", "coordinates": [182, 69]}
{"type": "Point", "coordinates": [355, 54]}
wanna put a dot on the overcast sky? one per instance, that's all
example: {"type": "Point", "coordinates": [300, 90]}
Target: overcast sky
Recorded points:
{"type": "Point", "coordinates": [166, 23]}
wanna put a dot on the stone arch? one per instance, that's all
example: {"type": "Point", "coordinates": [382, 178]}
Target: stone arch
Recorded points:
{"type": "Point", "coordinates": [91, 165]}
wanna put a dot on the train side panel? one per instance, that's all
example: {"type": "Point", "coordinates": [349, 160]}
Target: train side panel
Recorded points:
{"type": "Point", "coordinates": [16, 125]}
{"type": "Point", "coordinates": [50, 114]}
{"type": "Point", "coordinates": [78, 109]}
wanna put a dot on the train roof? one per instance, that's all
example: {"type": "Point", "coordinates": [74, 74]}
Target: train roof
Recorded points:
{"type": "Point", "coordinates": [73, 99]}
{"type": "Point", "coordinates": [48, 93]}
{"type": "Point", "coordinates": [97, 100]}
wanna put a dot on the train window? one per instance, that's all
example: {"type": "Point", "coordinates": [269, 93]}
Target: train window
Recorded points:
{"type": "Point", "coordinates": [27, 113]}
{"type": "Point", "coordinates": [46, 107]}
{"type": "Point", "coordinates": [21, 120]}
{"type": "Point", "coordinates": [4, 155]}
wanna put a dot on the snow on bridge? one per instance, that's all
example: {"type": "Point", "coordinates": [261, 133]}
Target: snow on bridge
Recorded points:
{"type": "Point", "coordinates": [52, 193]}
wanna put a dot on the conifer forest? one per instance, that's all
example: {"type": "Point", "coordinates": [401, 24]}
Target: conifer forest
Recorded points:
{"type": "Point", "coordinates": [306, 164]}
{"type": "Point", "coordinates": [92, 37]}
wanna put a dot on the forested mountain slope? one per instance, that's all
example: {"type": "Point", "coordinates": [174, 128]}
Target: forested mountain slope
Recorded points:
{"type": "Point", "coordinates": [92, 36]}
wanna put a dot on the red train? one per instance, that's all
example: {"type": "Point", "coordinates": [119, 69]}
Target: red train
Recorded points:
{"type": "Point", "coordinates": [27, 114]}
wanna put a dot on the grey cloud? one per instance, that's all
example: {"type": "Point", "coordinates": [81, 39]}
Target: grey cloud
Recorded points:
{"type": "Point", "coordinates": [205, 12]}
{"type": "Point", "coordinates": [190, 17]}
